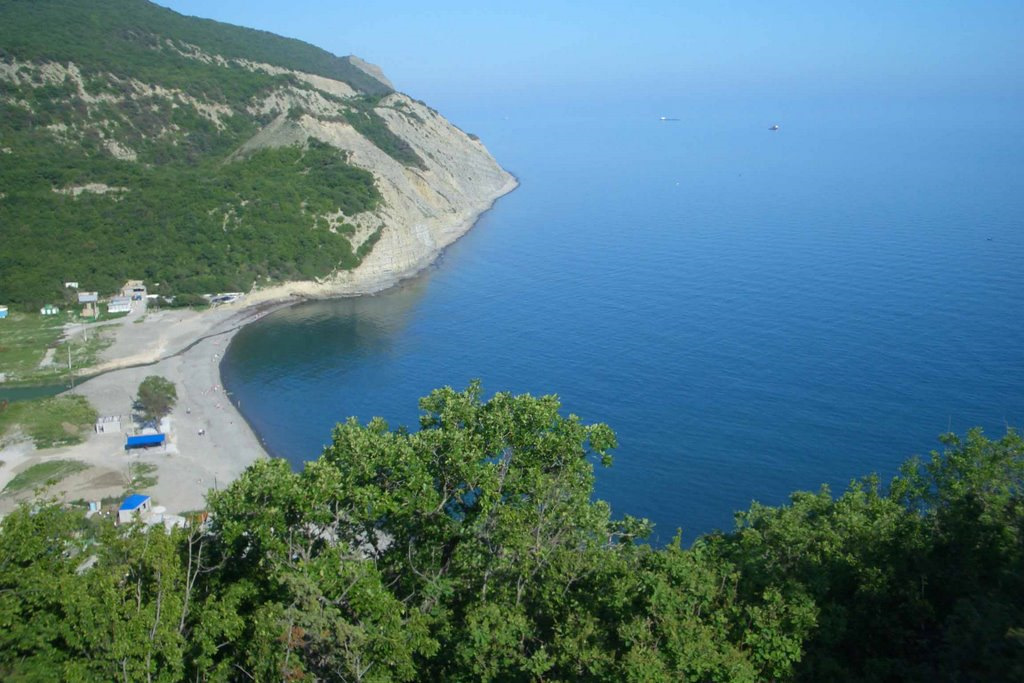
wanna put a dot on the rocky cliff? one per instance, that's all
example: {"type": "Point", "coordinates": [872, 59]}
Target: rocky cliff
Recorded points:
{"type": "Point", "coordinates": [424, 209]}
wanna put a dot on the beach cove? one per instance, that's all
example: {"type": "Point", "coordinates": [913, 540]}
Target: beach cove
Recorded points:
{"type": "Point", "coordinates": [210, 442]}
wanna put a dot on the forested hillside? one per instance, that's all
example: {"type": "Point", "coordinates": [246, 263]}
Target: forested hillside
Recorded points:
{"type": "Point", "coordinates": [472, 550]}
{"type": "Point", "coordinates": [121, 133]}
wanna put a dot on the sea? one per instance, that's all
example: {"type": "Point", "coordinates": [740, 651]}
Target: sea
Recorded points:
{"type": "Point", "coordinates": [754, 312]}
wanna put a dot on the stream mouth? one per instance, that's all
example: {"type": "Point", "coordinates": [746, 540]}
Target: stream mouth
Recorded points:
{"type": "Point", "coordinates": [27, 393]}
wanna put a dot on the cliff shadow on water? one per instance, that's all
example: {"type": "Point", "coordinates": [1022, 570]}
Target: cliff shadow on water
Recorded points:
{"type": "Point", "coordinates": [318, 345]}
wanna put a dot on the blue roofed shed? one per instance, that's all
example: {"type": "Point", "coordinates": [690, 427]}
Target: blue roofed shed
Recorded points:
{"type": "Point", "coordinates": [145, 441]}
{"type": "Point", "coordinates": [132, 505]}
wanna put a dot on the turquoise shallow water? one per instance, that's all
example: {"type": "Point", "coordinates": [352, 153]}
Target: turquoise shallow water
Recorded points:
{"type": "Point", "coordinates": [753, 312]}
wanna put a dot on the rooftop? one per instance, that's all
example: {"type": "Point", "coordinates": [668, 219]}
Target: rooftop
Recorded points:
{"type": "Point", "coordinates": [133, 502]}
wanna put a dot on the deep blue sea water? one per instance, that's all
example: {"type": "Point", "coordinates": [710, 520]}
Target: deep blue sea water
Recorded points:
{"type": "Point", "coordinates": [753, 312]}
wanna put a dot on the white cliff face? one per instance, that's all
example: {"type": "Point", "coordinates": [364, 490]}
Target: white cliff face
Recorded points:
{"type": "Point", "coordinates": [423, 210]}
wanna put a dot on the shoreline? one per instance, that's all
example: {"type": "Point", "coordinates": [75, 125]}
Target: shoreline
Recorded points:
{"type": "Point", "coordinates": [211, 441]}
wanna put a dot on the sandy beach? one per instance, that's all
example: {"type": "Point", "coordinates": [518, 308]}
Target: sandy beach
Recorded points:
{"type": "Point", "coordinates": [210, 443]}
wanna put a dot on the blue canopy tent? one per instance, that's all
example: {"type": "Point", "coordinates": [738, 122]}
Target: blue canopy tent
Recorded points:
{"type": "Point", "coordinates": [145, 441]}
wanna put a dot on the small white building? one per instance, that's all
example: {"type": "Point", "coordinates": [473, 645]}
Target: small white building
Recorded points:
{"type": "Point", "coordinates": [3, 312]}
{"type": "Point", "coordinates": [134, 507]}
{"type": "Point", "coordinates": [88, 297]}
{"type": "Point", "coordinates": [108, 424]}
{"type": "Point", "coordinates": [119, 304]}
{"type": "Point", "coordinates": [49, 309]}
{"type": "Point", "coordinates": [70, 285]}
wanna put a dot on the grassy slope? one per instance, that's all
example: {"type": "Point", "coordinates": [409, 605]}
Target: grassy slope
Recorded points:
{"type": "Point", "coordinates": [44, 472]}
{"type": "Point", "coordinates": [49, 422]}
{"type": "Point", "coordinates": [25, 338]}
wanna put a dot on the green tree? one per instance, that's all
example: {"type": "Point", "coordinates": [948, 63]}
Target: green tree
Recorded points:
{"type": "Point", "coordinates": [89, 602]}
{"type": "Point", "coordinates": [35, 578]}
{"type": "Point", "coordinates": [919, 582]}
{"type": "Point", "coordinates": [472, 550]}
{"type": "Point", "coordinates": [157, 396]}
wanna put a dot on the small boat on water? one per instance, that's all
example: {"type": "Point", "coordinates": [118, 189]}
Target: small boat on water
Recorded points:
{"type": "Point", "coordinates": [666, 118]}
{"type": "Point", "coordinates": [774, 126]}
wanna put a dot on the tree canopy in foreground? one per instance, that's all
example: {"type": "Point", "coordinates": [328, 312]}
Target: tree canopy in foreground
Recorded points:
{"type": "Point", "coordinates": [472, 549]}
